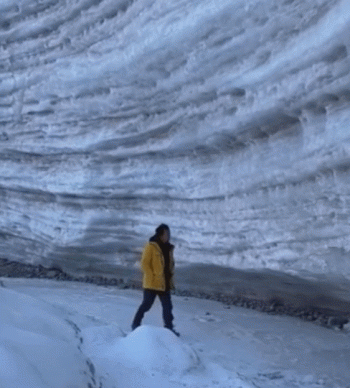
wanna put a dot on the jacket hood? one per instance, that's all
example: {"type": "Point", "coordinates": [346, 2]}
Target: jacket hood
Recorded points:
{"type": "Point", "coordinates": [156, 240]}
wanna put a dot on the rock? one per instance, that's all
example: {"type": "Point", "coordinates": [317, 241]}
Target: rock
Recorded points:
{"type": "Point", "coordinates": [51, 274]}
{"type": "Point", "coordinates": [338, 322]}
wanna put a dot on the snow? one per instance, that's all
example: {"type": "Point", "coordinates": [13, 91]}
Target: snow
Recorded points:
{"type": "Point", "coordinates": [74, 335]}
{"type": "Point", "coordinates": [38, 345]}
{"type": "Point", "coordinates": [228, 121]}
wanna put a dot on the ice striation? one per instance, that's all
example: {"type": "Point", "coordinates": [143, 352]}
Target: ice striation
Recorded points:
{"type": "Point", "coordinates": [227, 120]}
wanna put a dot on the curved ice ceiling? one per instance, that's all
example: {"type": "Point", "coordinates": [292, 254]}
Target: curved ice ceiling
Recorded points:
{"type": "Point", "coordinates": [229, 120]}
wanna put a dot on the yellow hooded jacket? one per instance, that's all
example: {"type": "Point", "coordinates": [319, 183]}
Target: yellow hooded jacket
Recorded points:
{"type": "Point", "coordinates": [152, 265]}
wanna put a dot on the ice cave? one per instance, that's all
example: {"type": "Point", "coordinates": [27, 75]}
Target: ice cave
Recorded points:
{"type": "Point", "coordinates": [229, 121]}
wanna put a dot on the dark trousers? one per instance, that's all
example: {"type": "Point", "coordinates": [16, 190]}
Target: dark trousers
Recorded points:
{"type": "Point", "coordinates": [149, 297]}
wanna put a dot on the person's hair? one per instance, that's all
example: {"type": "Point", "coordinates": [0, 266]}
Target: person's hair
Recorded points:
{"type": "Point", "coordinates": [161, 228]}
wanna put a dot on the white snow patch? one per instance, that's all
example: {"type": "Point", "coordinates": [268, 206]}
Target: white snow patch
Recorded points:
{"type": "Point", "coordinates": [70, 335]}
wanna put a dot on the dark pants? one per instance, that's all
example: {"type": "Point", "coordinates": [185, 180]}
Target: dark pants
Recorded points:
{"type": "Point", "coordinates": [148, 299]}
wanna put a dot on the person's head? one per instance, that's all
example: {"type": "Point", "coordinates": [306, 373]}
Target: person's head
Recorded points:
{"type": "Point", "coordinates": [163, 233]}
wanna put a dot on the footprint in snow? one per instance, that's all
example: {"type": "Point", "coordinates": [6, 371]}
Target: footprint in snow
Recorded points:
{"type": "Point", "coordinates": [208, 317]}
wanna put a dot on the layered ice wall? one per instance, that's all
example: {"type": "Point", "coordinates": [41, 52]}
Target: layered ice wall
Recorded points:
{"type": "Point", "coordinates": [228, 120]}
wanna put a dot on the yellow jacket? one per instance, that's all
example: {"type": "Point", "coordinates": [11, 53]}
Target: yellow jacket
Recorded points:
{"type": "Point", "coordinates": [152, 264]}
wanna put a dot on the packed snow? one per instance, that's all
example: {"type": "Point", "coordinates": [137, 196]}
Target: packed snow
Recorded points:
{"type": "Point", "coordinates": [74, 335]}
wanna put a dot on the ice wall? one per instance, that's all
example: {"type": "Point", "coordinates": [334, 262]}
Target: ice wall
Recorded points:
{"type": "Point", "coordinates": [227, 120]}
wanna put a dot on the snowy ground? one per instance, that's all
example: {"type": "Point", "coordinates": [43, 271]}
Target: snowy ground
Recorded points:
{"type": "Point", "coordinates": [74, 335]}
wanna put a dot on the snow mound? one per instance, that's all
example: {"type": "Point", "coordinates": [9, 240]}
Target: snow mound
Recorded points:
{"type": "Point", "coordinates": [148, 348]}
{"type": "Point", "coordinates": [151, 357]}
{"type": "Point", "coordinates": [39, 345]}
{"type": "Point", "coordinates": [158, 349]}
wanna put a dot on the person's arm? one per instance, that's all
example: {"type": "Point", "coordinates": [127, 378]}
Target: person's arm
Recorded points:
{"type": "Point", "coordinates": [152, 268]}
{"type": "Point", "coordinates": [171, 268]}
{"type": "Point", "coordinates": [146, 260]}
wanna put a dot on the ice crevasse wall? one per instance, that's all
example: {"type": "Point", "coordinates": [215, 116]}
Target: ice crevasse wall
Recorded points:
{"type": "Point", "coordinates": [228, 120]}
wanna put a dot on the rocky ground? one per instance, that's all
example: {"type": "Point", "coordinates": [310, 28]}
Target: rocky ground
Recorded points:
{"type": "Point", "coordinates": [268, 292]}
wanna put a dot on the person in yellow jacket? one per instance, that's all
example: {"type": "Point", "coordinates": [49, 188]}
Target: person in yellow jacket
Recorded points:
{"type": "Point", "coordinates": [157, 265]}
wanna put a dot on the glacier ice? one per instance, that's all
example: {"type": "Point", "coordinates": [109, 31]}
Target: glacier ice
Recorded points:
{"type": "Point", "coordinates": [229, 121]}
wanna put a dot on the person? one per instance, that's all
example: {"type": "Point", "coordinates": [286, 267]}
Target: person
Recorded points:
{"type": "Point", "coordinates": [157, 265]}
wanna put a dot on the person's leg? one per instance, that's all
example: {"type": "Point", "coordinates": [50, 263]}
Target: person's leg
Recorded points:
{"type": "Point", "coordinates": [148, 298]}
{"type": "Point", "coordinates": [167, 309]}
